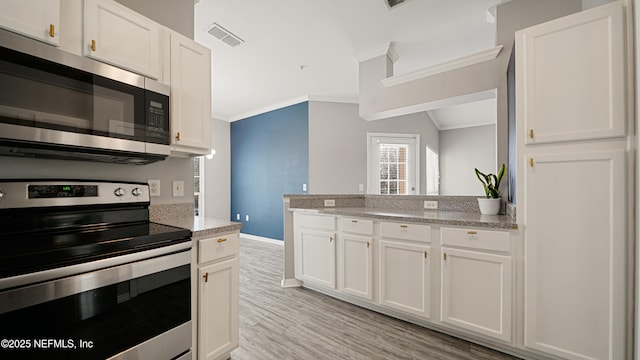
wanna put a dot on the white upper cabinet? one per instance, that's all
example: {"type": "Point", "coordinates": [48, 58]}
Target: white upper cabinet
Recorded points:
{"type": "Point", "coordinates": [190, 96]}
{"type": "Point", "coordinates": [572, 72]}
{"type": "Point", "coordinates": [38, 19]}
{"type": "Point", "coordinates": [119, 36]}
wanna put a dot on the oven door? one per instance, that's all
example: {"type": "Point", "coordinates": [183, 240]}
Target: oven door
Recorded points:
{"type": "Point", "coordinates": [139, 310]}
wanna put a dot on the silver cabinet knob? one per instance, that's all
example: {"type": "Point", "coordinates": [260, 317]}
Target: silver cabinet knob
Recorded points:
{"type": "Point", "coordinates": [119, 192]}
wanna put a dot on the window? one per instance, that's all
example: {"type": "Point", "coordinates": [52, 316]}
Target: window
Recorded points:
{"type": "Point", "coordinates": [198, 183]}
{"type": "Point", "coordinates": [392, 164]}
{"type": "Point", "coordinates": [433, 172]}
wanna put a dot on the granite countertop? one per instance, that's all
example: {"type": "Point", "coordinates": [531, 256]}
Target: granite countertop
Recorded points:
{"type": "Point", "coordinates": [454, 218]}
{"type": "Point", "coordinates": [202, 227]}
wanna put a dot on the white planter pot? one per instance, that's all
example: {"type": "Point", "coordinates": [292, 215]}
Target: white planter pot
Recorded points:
{"type": "Point", "coordinates": [489, 206]}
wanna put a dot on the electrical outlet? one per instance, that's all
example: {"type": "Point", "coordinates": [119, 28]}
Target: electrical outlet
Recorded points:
{"type": "Point", "coordinates": [330, 202]}
{"type": "Point", "coordinates": [154, 187]}
{"type": "Point", "coordinates": [304, 187]}
{"type": "Point", "coordinates": [246, 218]}
{"type": "Point", "coordinates": [361, 188]}
{"type": "Point", "coordinates": [431, 205]}
{"type": "Point", "coordinates": [237, 216]}
{"type": "Point", "coordinates": [178, 188]}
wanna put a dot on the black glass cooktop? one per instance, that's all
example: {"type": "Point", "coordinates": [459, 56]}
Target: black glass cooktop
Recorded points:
{"type": "Point", "coordinates": [36, 241]}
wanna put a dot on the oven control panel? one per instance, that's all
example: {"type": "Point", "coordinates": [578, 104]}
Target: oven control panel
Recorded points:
{"type": "Point", "coordinates": [20, 194]}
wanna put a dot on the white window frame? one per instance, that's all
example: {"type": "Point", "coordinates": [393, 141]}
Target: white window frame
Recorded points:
{"type": "Point", "coordinates": [432, 171]}
{"type": "Point", "coordinates": [373, 169]}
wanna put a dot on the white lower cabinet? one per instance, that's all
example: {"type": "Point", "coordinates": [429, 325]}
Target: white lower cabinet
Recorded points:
{"type": "Point", "coordinates": [318, 261]}
{"type": "Point", "coordinates": [476, 292]}
{"type": "Point", "coordinates": [405, 277]}
{"type": "Point", "coordinates": [315, 249]}
{"type": "Point", "coordinates": [476, 286]}
{"type": "Point", "coordinates": [575, 264]}
{"type": "Point", "coordinates": [218, 297]}
{"type": "Point", "coordinates": [357, 258]}
{"type": "Point", "coordinates": [462, 281]}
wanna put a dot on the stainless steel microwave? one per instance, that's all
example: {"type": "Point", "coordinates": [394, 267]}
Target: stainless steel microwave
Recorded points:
{"type": "Point", "coordinates": [55, 104]}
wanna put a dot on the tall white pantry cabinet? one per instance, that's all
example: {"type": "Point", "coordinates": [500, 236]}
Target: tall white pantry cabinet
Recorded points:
{"type": "Point", "coordinates": [574, 172]}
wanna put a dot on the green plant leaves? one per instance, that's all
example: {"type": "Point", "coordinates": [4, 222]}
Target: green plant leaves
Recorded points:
{"type": "Point", "coordinates": [491, 182]}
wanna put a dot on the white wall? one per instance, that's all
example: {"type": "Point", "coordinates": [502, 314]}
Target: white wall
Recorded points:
{"type": "Point", "coordinates": [338, 145]}
{"type": "Point", "coordinates": [217, 177]}
{"type": "Point", "coordinates": [462, 150]}
{"type": "Point", "coordinates": [337, 148]}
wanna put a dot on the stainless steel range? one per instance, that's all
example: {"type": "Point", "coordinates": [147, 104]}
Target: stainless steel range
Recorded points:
{"type": "Point", "coordinates": [84, 274]}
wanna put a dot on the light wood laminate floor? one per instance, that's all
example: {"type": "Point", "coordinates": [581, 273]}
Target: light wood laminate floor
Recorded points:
{"type": "Point", "coordinates": [298, 323]}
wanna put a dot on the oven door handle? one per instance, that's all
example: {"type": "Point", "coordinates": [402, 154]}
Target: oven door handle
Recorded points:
{"type": "Point", "coordinates": [30, 295]}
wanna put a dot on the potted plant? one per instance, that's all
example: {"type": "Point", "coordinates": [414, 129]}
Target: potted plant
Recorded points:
{"type": "Point", "coordinates": [490, 205]}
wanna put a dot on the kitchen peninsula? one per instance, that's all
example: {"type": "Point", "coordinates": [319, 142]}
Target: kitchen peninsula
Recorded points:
{"type": "Point", "coordinates": [449, 268]}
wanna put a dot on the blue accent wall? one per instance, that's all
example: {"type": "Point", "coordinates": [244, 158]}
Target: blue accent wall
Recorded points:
{"type": "Point", "coordinates": [269, 158]}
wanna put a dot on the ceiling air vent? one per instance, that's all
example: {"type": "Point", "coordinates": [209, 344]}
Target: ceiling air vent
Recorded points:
{"type": "Point", "coordinates": [393, 3]}
{"type": "Point", "coordinates": [224, 35]}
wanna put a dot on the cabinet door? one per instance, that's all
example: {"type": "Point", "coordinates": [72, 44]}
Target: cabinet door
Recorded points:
{"type": "Point", "coordinates": [575, 223]}
{"type": "Point", "coordinates": [405, 277]}
{"type": "Point", "coordinates": [218, 309]}
{"type": "Point", "coordinates": [357, 273]}
{"type": "Point", "coordinates": [571, 77]}
{"type": "Point", "coordinates": [38, 19]}
{"type": "Point", "coordinates": [119, 36]}
{"type": "Point", "coordinates": [476, 292]}
{"type": "Point", "coordinates": [317, 254]}
{"type": "Point", "coordinates": [190, 96]}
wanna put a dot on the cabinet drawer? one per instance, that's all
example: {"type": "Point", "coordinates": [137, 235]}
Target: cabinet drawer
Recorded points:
{"type": "Point", "coordinates": [477, 239]}
{"type": "Point", "coordinates": [405, 231]}
{"type": "Point", "coordinates": [317, 221]}
{"type": "Point", "coordinates": [357, 226]}
{"type": "Point", "coordinates": [218, 247]}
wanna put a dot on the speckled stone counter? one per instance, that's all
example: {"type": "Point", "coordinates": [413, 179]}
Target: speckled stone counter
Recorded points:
{"type": "Point", "coordinates": [452, 218]}
{"type": "Point", "coordinates": [452, 210]}
{"type": "Point", "coordinates": [181, 215]}
{"type": "Point", "coordinates": [202, 227]}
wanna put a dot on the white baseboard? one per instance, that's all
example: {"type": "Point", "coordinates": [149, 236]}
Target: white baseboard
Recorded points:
{"type": "Point", "coordinates": [288, 283]}
{"type": "Point", "coordinates": [263, 239]}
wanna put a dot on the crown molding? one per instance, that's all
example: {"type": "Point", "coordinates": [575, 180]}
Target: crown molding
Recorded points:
{"type": "Point", "coordinates": [475, 58]}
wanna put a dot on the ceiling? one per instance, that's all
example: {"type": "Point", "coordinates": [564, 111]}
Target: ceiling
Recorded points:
{"type": "Point", "coordinates": [299, 49]}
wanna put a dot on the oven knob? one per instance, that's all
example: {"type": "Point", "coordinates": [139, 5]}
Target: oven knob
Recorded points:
{"type": "Point", "coordinates": [1, 195]}
{"type": "Point", "coordinates": [136, 192]}
{"type": "Point", "coordinates": [119, 192]}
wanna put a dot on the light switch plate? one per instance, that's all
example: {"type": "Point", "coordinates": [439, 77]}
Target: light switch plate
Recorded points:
{"type": "Point", "coordinates": [178, 188]}
{"type": "Point", "coordinates": [154, 187]}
